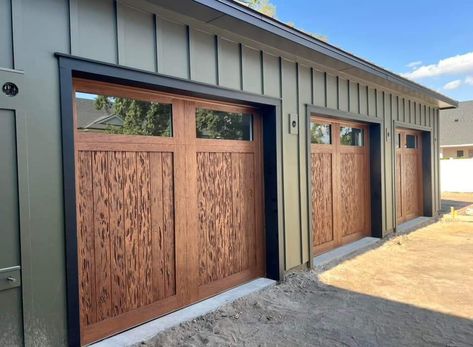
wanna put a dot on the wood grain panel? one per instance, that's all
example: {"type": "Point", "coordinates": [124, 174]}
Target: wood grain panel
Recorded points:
{"type": "Point", "coordinates": [340, 191]}
{"type": "Point", "coordinates": [85, 239]}
{"type": "Point", "coordinates": [144, 223]}
{"type": "Point", "coordinates": [352, 186]}
{"type": "Point", "coordinates": [322, 203]}
{"type": "Point", "coordinates": [117, 232]}
{"type": "Point", "coordinates": [408, 177]}
{"type": "Point", "coordinates": [131, 230]}
{"type": "Point", "coordinates": [168, 219]}
{"type": "Point", "coordinates": [135, 259]}
{"type": "Point", "coordinates": [157, 225]}
{"type": "Point", "coordinates": [102, 235]}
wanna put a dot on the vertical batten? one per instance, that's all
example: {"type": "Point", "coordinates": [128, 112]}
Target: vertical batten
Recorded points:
{"type": "Point", "coordinates": [290, 166]}
{"type": "Point", "coordinates": [202, 57]}
{"type": "Point", "coordinates": [136, 34]}
{"type": "Point", "coordinates": [251, 66]}
{"type": "Point", "coordinates": [172, 48]}
{"type": "Point", "coordinates": [271, 75]}
{"type": "Point", "coordinates": [6, 35]}
{"type": "Point", "coordinates": [93, 31]}
{"type": "Point", "coordinates": [371, 102]}
{"type": "Point", "coordinates": [229, 64]}
{"type": "Point", "coordinates": [363, 100]}
{"type": "Point", "coordinates": [354, 98]}
{"type": "Point", "coordinates": [343, 90]}
{"type": "Point", "coordinates": [331, 91]}
{"type": "Point", "coordinates": [319, 88]}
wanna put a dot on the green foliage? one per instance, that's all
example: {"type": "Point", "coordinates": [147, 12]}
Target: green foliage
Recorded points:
{"type": "Point", "coordinates": [319, 133]}
{"type": "Point", "coordinates": [139, 117]}
{"type": "Point", "coordinates": [222, 125]}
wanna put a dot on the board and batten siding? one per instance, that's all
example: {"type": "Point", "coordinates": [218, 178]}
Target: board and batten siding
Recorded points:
{"type": "Point", "coordinates": [141, 35]}
{"type": "Point", "coordinates": [170, 45]}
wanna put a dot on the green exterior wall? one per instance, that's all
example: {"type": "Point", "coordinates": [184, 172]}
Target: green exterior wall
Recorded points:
{"type": "Point", "coordinates": [141, 35]}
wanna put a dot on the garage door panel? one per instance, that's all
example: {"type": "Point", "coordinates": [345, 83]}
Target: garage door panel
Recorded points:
{"type": "Point", "coordinates": [410, 162]}
{"type": "Point", "coordinates": [226, 214]}
{"type": "Point", "coordinates": [322, 204]}
{"type": "Point", "coordinates": [340, 183]}
{"type": "Point", "coordinates": [408, 175]}
{"type": "Point", "coordinates": [168, 213]}
{"type": "Point", "coordinates": [126, 256]}
{"type": "Point", "coordinates": [352, 193]}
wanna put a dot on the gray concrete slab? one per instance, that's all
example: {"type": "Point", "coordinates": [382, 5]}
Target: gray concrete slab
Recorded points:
{"type": "Point", "coordinates": [414, 224]}
{"type": "Point", "coordinates": [342, 252]}
{"type": "Point", "coordinates": [149, 330]}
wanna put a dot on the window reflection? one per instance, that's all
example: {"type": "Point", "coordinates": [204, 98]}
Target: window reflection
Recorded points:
{"type": "Point", "coordinates": [351, 136]}
{"type": "Point", "coordinates": [320, 133]}
{"type": "Point", "coordinates": [126, 116]}
{"type": "Point", "coordinates": [212, 124]}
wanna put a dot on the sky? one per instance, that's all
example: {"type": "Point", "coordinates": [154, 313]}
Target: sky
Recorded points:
{"type": "Point", "coordinates": [428, 41]}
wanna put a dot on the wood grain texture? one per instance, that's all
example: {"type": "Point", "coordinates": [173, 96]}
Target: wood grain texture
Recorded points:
{"type": "Point", "coordinates": [340, 191]}
{"type": "Point", "coordinates": [117, 232]}
{"type": "Point", "coordinates": [409, 202]}
{"type": "Point", "coordinates": [102, 235]}
{"type": "Point", "coordinates": [352, 187]}
{"type": "Point", "coordinates": [85, 239]}
{"type": "Point", "coordinates": [226, 208]}
{"type": "Point", "coordinates": [321, 194]}
{"type": "Point", "coordinates": [136, 260]}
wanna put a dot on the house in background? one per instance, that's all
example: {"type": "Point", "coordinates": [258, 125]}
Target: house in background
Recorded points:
{"type": "Point", "coordinates": [456, 131]}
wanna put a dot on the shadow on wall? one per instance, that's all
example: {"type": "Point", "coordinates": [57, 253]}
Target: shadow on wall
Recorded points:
{"type": "Point", "coordinates": [307, 312]}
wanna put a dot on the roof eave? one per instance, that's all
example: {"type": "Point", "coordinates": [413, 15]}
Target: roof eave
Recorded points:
{"type": "Point", "coordinates": [250, 16]}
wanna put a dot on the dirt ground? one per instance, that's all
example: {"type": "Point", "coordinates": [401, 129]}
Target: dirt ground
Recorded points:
{"type": "Point", "coordinates": [413, 290]}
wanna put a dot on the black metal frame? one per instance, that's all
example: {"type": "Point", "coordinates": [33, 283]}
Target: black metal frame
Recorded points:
{"type": "Point", "coordinates": [270, 108]}
{"type": "Point", "coordinates": [376, 164]}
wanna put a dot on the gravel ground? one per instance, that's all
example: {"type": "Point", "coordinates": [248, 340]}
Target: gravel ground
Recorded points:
{"type": "Point", "coordinates": [413, 290]}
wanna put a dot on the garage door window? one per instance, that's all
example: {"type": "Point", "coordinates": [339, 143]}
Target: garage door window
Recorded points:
{"type": "Point", "coordinates": [411, 141]}
{"type": "Point", "coordinates": [321, 133]}
{"type": "Point", "coordinates": [351, 136]}
{"type": "Point", "coordinates": [213, 124]}
{"type": "Point", "coordinates": [124, 116]}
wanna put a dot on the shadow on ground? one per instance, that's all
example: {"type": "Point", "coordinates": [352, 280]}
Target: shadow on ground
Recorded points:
{"type": "Point", "coordinates": [303, 311]}
{"type": "Point", "coordinates": [457, 205]}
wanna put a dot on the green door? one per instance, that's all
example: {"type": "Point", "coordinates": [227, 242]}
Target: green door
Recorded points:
{"type": "Point", "coordinates": [11, 326]}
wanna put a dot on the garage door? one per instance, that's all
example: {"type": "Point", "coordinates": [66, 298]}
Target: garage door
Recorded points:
{"type": "Point", "coordinates": [340, 183]}
{"type": "Point", "coordinates": [169, 203]}
{"type": "Point", "coordinates": [408, 175]}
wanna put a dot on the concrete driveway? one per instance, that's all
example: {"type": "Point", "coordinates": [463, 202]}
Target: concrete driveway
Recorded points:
{"type": "Point", "coordinates": [413, 290]}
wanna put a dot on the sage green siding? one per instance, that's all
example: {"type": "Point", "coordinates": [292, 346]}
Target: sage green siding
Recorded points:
{"type": "Point", "coordinates": [141, 35]}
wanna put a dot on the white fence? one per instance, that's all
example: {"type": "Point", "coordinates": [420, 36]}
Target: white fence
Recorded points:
{"type": "Point", "coordinates": [456, 175]}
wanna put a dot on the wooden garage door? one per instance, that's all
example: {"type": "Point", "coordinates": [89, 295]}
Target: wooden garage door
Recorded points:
{"type": "Point", "coordinates": [169, 203]}
{"type": "Point", "coordinates": [340, 183]}
{"type": "Point", "coordinates": [408, 175]}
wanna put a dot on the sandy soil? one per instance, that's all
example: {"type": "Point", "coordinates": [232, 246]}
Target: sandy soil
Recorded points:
{"type": "Point", "coordinates": [413, 290]}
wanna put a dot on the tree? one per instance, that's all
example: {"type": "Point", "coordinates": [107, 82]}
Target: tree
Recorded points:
{"type": "Point", "coordinates": [139, 117]}
{"type": "Point", "coordinates": [263, 6]}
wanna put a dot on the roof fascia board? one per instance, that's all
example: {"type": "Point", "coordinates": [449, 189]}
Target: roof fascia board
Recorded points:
{"type": "Point", "coordinates": [261, 21]}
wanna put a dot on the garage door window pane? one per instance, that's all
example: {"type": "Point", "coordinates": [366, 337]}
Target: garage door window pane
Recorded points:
{"type": "Point", "coordinates": [221, 125]}
{"type": "Point", "coordinates": [320, 133]}
{"type": "Point", "coordinates": [351, 136]}
{"type": "Point", "coordinates": [125, 116]}
{"type": "Point", "coordinates": [411, 141]}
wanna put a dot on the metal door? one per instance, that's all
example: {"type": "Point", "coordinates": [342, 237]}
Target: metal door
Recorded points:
{"type": "Point", "coordinates": [11, 326]}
